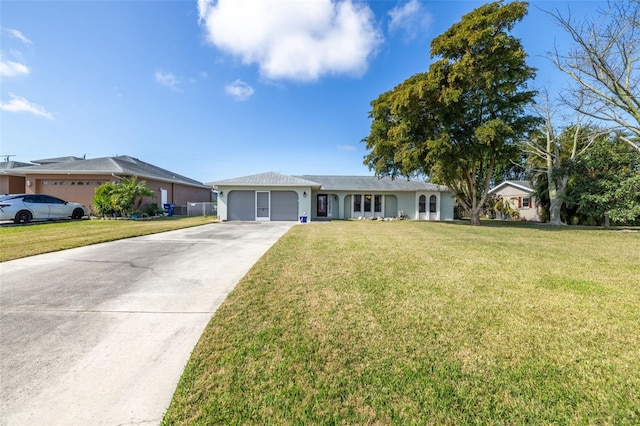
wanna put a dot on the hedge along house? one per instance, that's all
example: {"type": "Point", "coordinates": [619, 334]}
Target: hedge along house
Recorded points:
{"type": "Point", "coordinates": [75, 179]}
{"type": "Point", "coordinates": [274, 196]}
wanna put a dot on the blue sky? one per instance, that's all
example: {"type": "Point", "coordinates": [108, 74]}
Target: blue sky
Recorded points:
{"type": "Point", "coordinates": [215, 90]}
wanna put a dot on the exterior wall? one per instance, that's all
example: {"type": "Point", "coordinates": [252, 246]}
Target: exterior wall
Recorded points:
{"type": "Point", "coordinates": [74, 188]}
{"type": "Point", "coordinates": [427, 214]}
{"type": "Point", "coordinates": [336, 207]}
{"type": "Point", "coordinates": [408, 204]}
{"type": "Point", "coordinates": [346, 207]}
{"type": "Point", "coordinates": [446, 206]}
{"type": "Point", "coordinates": [342, 203]}
{"type": "Point", "coordinates": [177, 194]}
{"type": "Point", "coordinates": [81, 188]}
{"type": "Point", "coordinates": [392, 205]}
{"type": "Point", "coordinates": [12, 184]}
{"type": "Point", "coordinates": [304, 197]}
{"type": "Point", "coordinates": [515, 196]}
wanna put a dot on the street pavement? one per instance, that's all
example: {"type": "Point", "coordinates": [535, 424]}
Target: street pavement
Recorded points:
{"type": "Point", "coordinates": [100, 335]}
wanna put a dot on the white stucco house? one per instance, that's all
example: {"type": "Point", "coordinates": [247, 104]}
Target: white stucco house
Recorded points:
{"type": "Point", "coordinates": [521, 197]}
{"type": "Point", "coordinates": [278, 197]}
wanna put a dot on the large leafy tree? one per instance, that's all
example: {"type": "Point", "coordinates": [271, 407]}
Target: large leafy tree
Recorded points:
{"type": "Point", "coordinates": [605, 183]}
{"type": "Point", "coordinates": [462, 118]}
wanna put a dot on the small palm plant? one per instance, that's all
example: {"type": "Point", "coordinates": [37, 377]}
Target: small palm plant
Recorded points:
{"type": "Point", "coordinates": [119, 198]}
{"type": "Point", "coordinates": [505, 209]}
{"type": "Point", "coordinates": [130, 192]}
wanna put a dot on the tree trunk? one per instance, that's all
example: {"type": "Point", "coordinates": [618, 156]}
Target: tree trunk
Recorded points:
{"type": "Point", "coordinates": [555, 209]}
{"type": "Point", "coordinates": [475, 215]}
{"type": "Point", "coordinates": [556, 197]}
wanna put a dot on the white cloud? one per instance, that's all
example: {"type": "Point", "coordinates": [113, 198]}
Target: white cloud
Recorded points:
{"type": "Point", "coordinates": [19, 104]}
{"type": "Point", "coordinates": [11, 68]}
{"type": "Point", "coordinates": [410, 19]}
{"type": "Point", "coordinates": [293, 40]}
{"type": "Point", "coordinates": [17, 34]}
{"type": "Point", "coordinates": [167, 79]}
{"type": "Point", "coordinates": [347, 148]}
{"type": "Point", "coordinates": [240, 90]}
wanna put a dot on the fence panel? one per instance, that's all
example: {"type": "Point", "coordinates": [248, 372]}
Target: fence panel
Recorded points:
{"type": "Point", "coordinates": [202, 209]}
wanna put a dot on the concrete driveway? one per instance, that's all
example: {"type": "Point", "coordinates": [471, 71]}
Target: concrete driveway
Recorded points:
{"type": "Point", "coordinates": [101, 334]}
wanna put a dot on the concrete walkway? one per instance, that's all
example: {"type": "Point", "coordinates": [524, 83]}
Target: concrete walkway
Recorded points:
{"type": "Point", "coordinates": [101, 334]}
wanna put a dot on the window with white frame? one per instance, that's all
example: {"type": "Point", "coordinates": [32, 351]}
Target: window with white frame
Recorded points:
{"type": "Point", "coordinates": [377, 203]}
{"type": "Point", "coordinates": [422, 204]}
{"type": "Point", "coordinates": [357, 203]}
{"type": "Point", "coordinates": [367, 203]}
{"type": "Point", "coordinates": [432, 204]}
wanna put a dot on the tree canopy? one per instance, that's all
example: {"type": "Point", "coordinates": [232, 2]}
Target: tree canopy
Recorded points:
{"type": "Point", "coordinates": [461, 118]}
{"type": "Point", "coordinates": [605, 183]}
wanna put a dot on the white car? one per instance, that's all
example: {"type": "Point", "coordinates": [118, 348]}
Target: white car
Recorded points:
{"type": "Point", "coordinates": [23, 208]}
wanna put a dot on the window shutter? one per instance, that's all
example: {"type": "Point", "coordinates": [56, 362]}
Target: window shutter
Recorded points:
{"type": "Point", "coordinates": [519, 202]}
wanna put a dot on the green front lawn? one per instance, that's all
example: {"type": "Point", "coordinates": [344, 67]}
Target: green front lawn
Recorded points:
{"type": "Point", "coordinates": [425, 323]}
{"type": "Point", "coordinates": [37, 238]}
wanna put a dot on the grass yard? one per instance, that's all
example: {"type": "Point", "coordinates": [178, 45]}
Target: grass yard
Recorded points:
{"type": "Point", "coordinates": [23, 241]}
{"type": "Point", "coordinates": [425, 323]}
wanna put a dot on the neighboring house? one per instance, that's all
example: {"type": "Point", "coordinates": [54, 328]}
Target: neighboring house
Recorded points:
{"type": "Point", "coordinates": [520, 195]}
{"type": "Point", "coordinates": [277, 197]}
{"type": "Point", "coordinates": [75, 179]}
{"type": "Point", "coordinates": [10, 181]}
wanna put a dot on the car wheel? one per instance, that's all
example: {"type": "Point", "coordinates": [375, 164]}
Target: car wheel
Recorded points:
{"type": "Point", "coordinates": [77, 214]}
{"type": "Point", "coordinates": [23, 216]}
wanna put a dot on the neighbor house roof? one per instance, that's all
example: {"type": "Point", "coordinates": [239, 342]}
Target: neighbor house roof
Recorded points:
{"type": "Point", "coordinates": [371, 183]}
{"type": "Point", "coordinates": [6, 166]}
{"type": "Point", "coordinates": [520, 184]}
{"type": "Point", "coordinates": [122, 166]}
{"type": "Point", "coordinates": [57, 160]}
{"type": "Point", "coordinates": [266, 179]}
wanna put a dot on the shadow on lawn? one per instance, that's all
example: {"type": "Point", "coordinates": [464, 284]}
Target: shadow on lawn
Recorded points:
{"type": "Point", "coordinates": [494, 223]}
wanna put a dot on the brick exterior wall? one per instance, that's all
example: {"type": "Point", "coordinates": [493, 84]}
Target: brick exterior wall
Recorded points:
{"type": "Point", "coordinates": [80, 188]}
{"type": "Point", "coordinates": [11, 184]}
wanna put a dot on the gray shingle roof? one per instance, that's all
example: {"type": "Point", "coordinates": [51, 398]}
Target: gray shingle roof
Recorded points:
{"type": "Point", "coordinates": [521, 184]}
{"type": "Point", "coordinates": [266, 179]}
{"type": "Point", "coordinates": [330, 183]}
{"type": "Point", "coordinates": [10, 165]}
{"type": "Point", "coordinates": [57, 160]}
{"type": "Point", "coordinates": [122, 166]}
{"type": "Point", "coordinates": [371, 183]}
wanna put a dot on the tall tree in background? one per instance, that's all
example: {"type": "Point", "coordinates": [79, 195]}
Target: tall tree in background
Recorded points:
{"type": "Point", "coordinates": [460, 119]}
{"type": "Point", "coordinates": [604, 64]}
{"type": "Point", "coordinates": [552, 151]}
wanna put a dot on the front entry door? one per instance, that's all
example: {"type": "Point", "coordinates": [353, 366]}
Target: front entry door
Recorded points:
{"type": "Point", "coordinates": [322, 205]}
{"type": "Point", "coordinates": [262, 205]}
